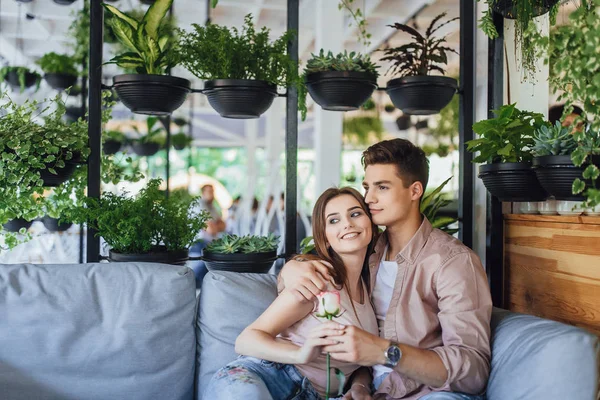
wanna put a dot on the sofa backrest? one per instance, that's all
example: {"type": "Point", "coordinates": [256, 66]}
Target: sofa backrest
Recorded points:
{"type": "Point", "coordinates": [229, 302]}
{"type": "Point", "coordinates": [97, 331]}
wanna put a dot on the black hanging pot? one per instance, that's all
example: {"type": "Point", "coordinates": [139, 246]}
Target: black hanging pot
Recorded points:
{"type": "Point", "coordinates": [72, 113]}
{"type": "Point", "coordinates": [259, 263]}
{"type": "Point", "coordinates": [111, 146]}
{"type": "Point", "coordinates": [403, 122]}
{"type": "Point", "coordinates": [53, 226]}
{"type": "Point", "coordinates": [16, 224]}
{"type": "Point", "coordinates": [156, 255]}
{"type": "Point", "coordinates": [509, 9]}
{"type": "Point", "coordinates": [422, 124]}
{"type": "Point", "coordinates": [147, 2]}
{"type": "Point", "coordinates": [65, 2]}
{"type": "Point", "coordinates": [62, 174]}
{"type": "Point", "coordinates": [340, 90]}
{"type": "Point", "coordinates": [512, 182]}
{"type": "Point", "coordinates": [60, 81]}
{"type": "Point", "coordinates": [151, 94]}
{"type": "Point", "coordinates": [239, 98]}
{"type": "Point", "coordinates": [145, 149]}
{"type": "Point", "coordinates": [179, 146]}
{"type": "Point", "coordinates": [421, 95]}
{"type": "Point", "coordinates": [12, 78]}
{"type": "Point", "coordinates": [557, 173]}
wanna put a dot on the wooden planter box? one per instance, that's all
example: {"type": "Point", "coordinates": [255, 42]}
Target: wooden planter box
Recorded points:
{"type": "Point", "coordinates": [552, 268]}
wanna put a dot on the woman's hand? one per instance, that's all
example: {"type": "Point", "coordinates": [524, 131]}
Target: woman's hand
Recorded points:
{"type": "Point", "coordinates": [316, 339]}
{"type": "Point", "coordinates": [358, 392]}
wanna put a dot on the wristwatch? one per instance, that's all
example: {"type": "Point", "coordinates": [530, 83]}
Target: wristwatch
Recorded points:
{"type": "Point", "coordinates": [393, 355]}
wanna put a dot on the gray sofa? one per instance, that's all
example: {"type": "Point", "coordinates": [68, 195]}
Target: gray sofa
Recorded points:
{"type": "Point", "coordinates": [135, 331]}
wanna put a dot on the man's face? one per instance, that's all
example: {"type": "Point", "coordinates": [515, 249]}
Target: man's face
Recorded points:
{"type": "Point", "coordinates": [389, 201]}
{"type": "Point", "coordinates": [208, 194]}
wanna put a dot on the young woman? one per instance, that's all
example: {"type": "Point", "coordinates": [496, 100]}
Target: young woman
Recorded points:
{"type": "Point", "coordinates": [282, 350]}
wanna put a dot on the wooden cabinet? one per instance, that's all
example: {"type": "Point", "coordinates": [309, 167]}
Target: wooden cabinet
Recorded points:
{"type": "Point", "coordinates": [552, 267]}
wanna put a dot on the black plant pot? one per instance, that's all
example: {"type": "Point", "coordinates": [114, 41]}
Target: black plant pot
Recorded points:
{"type": "Point", "coordinates": [151, 94]}
{"type": "Point", "coordinates": [340, 90]}
{"type": "Point", "coordinates": [421, 95]}
{"type": "Point", "coordinates": [156, 255]}
{"type": "Point", "coordinates": [403, 122]}
{"type": "Point", "coordinates": [53, 226]}
{"type": "Point", "coordinates": [422, 124]}
{"type": "Point", "coordinates": [60, 81]}
{"type": "Point", "coordinates": [512, 182]}
{"type": "Point", "coordinates": [65, 2]}
{"type": "Point", "coordinates": [179, 146]}
{"type": "Point", "coordinates": [557, 173]}
{"type": "Point", "coordinates": [239, 98]}
{"type": "Point", "coordinates": [259, 263]}
{"type": "Point", "coordinates": [72, 113]}
{"type": "Point", "coordinates": [12, 78]}
{"type": "Point", "coordinates": [508, 8]}
{"type": "Point", "coordinates": [111, 146]}
{"type": "Point", "coordinates": [145, 149]}
{"type": "Point", "coordinates": [16, 224]}
{"type": "Point", "coordinates": [62, 174]}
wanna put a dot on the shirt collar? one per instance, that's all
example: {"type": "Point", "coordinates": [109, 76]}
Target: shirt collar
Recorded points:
{"type": "Point", "coordinates": [411, 251]}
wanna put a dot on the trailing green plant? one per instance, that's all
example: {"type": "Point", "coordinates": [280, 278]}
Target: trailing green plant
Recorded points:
{"type": "Point", "coordinates": [362, 130]}
{"type": "Point", "coordinates": [155, 132]}
{"type": "Point", "coordinates": [553, 140]}
{"type": "Point", "coordinates": [359, 19]}
{"type": "Point", "coordinates": [431, 205]}
{"type": "Point", "coordinates": [230, 244]}
{"type": "Point", "coordinates": [588, 145]}
{"type": "Point", "coordinates": [425, 54]}
{"type": "Point", "coordinates": [53, 63]}
{"type": "Point", "coordinates": [445, 131]}
{"type": "Point", "coordinates": [181, 139]}
{"type": "Point", "coordinates": [149, 52]}
{"type": "Point", "coordinates": [21, 72]}
{"type": "Point", "coordinates": [139, 224]}
{"type": "Point", "coordinates": [506, 138]}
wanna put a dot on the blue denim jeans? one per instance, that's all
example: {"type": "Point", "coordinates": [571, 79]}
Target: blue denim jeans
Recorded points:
{"type": "Point", "coordinates": [437, 395]}
{"type": "Point", "coordinates": [250, 378]}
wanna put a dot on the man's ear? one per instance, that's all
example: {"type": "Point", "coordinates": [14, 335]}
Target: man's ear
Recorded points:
{"type": "Point", "coordinates": [416, 190]}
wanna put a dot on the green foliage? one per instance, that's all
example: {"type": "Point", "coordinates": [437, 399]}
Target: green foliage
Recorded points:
{"type": "Point", "coordinates": [307, 245]}
{"type": "Point", "coordinates": [149, 51]}
{"type": "Point", "coordinates": [53, 63]}
{"type": "Point", "coordinates": [217, 52]}
{"type": "Point", "coordinates": [138, 224]}
{"type": "Point", "coordinates": [181, 139]}
{"type": "Point", "coordinates": [155, 132]}
{"type": "Point", "coordinates": [363, 130]}
{"type": "Point", "coordinates": [430, 206]}
{"type": "Point", "coordinates": [21, 71]}
{"type": "Point", "coordinates": [553, 140]}
{"type": "Point", "coordinates": [229, 244]}
{"type": "Point", "coordinates": [588, 145]}
{"type": "Point", "coordinates": [117, 136]}
{"type": "Point", "coordinates": [361, 23]}
{"type": "Point", "coordinates": [506, 138]}
{"type": "Point", "coordinates": [445, 131]}
{"type": "Point", "coordinates": [424, 54]}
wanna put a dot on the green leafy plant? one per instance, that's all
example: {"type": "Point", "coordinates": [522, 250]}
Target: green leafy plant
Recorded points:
{"type": "Point", "coordinates": [155, 132]}
{"type": "Point", "coordinates": [230, 244]}
{"type": "Point", "coordinates": [444, 131]}
{"type": "Point", "coordinates": [21, 72]}
{"type": "Point", "coordinates": [181, 140]}
{"type": "Point", "coordinates": [506, 138]}
{"type": "Point", "coordinates": [358, 17]}
{"type": "Point", "coordinates": [148, 51]}
{"type": "Point", "coordinates": [588, 145]}
{"type": "Point", "coordinates": [362, 130]}
{"type": "Point", "coordinates": [425, 54]}
{"type": "Point", "coordinates": [431, 205]}
{"type": "Point", "coordinates": [553, 140]}
{"type": "Point", "coordinates": [53, 63]}
{"type": "Point", "coordinates": [117, 136]}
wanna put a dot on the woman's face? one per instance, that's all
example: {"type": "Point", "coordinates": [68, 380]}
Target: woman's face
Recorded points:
{"type": "Point", "coordinates": [347, 226]}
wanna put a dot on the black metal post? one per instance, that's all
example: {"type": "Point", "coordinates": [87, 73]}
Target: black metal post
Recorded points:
{"type": "Point", "coordinates": [291, 138]}
{"type": "Point", "coordinates": [83, 110]}
{"type": "Point", "coordinates": [494, 253]}
{"type": "Point", "coordinates": [95, 118]}
{"type": "Point", "coordinates": [466, 120]}
{"type": "Point", "coordinates": [167, 122]}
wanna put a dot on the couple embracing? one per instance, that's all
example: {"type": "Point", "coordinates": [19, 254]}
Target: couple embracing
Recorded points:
{"type": "Point", "coordinates": [417, 304]}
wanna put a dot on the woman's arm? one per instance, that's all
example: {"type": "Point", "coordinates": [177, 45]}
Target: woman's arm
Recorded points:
{"type": "Point", "coordinates": [258, 339]}
{"type": "Point", "coordinates": [359, 387]}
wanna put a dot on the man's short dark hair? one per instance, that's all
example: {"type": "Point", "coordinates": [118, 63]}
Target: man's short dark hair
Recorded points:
{"type": "Point", "coordinates": [411, 162]}
{"type": "Point", "coordinates": [206, 187]}
{"type": "Point", "coordinates": [555, 112]}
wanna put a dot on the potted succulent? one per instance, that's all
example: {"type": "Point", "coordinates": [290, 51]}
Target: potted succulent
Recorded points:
{"type": "Point", "coordinates": [59, 70]}
{"type": "Point", "coordinates": [148, 227]}
{"type": "Point", "coordinates": [113, 140]}
{"type": "Point", "coordinates": [149, 91]}
{"type": "Point", "coordinates": [505, 144]}
{"type": "Point", "coordinates": [241, 253]}
{"type": "Point", "coordinates": [20, 77]}
{"type": "Point", "coordinates": [417, 92]}
{"type": "Point", "coordinates": [152, 141]}
{"type": "Point", "coordinates": [181, 140]}
{"type": "Point", "coordinates": [242, 69]}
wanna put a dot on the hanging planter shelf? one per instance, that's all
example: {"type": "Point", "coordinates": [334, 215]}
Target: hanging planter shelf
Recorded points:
{"type": "Point", "coordinates": [421, 95]}
{"type": "Point", "coordinates": [341, 90]}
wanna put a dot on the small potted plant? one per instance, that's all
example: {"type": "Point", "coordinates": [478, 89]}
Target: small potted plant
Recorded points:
{"type": "Point", "coordinates": [505, 144]}
{"type": "Point", "coordinates": [241, 253]}
{"type": "Point", "coordinates": [20, 78]}
{"type": "Point", "coordinates": [242, 69]}
{"type": "Point", "coordinates": [149, 91]}
{"type": "Point", "coordinates": [59, 70]}
{"type": "Point", "coordinates": [181, 140]}
{"type": "Point", "coordinates": [152, 141]}
{"type": "Point", "coordinates": [113, 140]}
{"type": "Point", "coordinates": [417, 92]}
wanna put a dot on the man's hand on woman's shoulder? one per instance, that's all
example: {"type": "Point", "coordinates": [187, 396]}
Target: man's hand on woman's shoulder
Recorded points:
{"type": "Point", "coordinates": [305, 279]}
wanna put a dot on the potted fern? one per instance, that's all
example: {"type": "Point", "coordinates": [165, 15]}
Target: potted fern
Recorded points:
{"type": "Point", "coordinates": [151, 55]}
{"type": "Point", "coordinates": [20, 78]}
{"type": "Point", "coordinates": [59, 70]}
{"type": "Point", "coordinates": [242, 69]}
{"type": "Point", "coordinates": [241, 253]}
{"type": "Point", "coordinates": [417, 92]}
{"type": "Point", "coordinates": [152, 141]}
{"type": "Point", "coordinates": [505, 144]}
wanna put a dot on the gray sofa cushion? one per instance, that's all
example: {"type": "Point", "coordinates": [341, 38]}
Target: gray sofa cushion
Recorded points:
{"type": "Point", "coordinates": [229, 302]}
{"type": "Point", "coordinates": [534, 359]}
{"type": "Point", "coordinates": [97, 331]}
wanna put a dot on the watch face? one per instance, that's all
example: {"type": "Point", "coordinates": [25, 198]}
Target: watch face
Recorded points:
{"type": "Point", "coordinates": [393, 354]}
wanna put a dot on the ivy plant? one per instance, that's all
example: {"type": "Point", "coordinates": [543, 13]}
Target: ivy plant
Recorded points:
{"type": "Point", "coordinates": [230, 244]}
{"type": "Point", "coordinates": [588, 146]}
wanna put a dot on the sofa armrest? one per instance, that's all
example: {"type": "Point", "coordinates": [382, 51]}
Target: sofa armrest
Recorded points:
{"type": "Point", "coordinates": [535, 358]}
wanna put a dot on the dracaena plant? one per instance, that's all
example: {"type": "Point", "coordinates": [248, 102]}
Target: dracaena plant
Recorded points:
{"type": "Point", "coordinates": [230, 244]}
{"type": "Point", "coordinates": [149, 52]}
{"type": "Point", "coordinates": [425, 54]}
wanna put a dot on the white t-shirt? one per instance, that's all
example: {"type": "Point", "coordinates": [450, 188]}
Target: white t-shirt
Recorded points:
{"type": "Point", "coordinates": [382, 296]}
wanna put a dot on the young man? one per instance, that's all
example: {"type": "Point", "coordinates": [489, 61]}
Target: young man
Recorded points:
{"type": "Point", "coordinates": [429, 291]}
